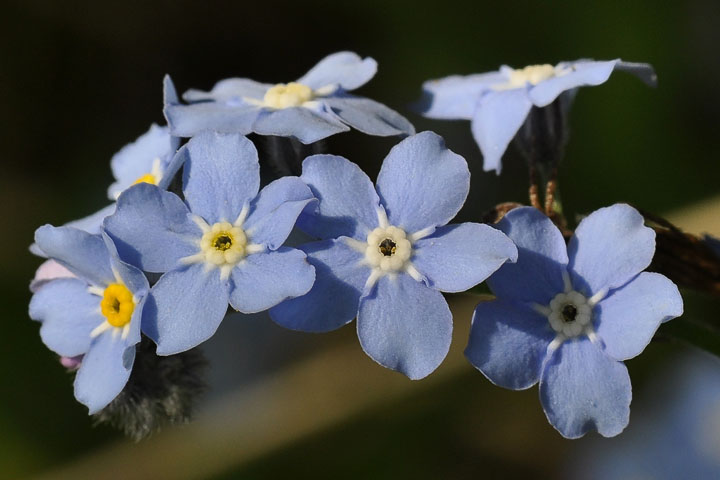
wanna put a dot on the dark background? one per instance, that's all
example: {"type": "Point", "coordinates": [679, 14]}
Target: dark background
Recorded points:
{"type": "Point", "coordinates": [78, 80]}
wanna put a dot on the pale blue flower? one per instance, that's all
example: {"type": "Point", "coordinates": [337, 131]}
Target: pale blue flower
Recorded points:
{"type": "Point", "coordinates": [386, 252]}
{"type": "Point", "coordinates": [497, 103]}
{"type": "Point", "coordinates": [96, 314]}
{"type": "Point", "coordinates": [222, 244]}
{"type": "Point", "coordinates": [314, 107]}
{"type": "Point", "coordinates": [569, 316]}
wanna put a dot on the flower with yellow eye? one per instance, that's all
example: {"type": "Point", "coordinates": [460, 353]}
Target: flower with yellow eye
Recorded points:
{"type": "Point", "coordinates": [96, 313]}
{"type": "Point", "coordinates": [314, 107]}
{"type": "Point", "coordinates": [222, 244]}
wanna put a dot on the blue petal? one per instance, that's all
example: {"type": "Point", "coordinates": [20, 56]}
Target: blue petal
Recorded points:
{"type": "Point", "coordinates": [508, 343]}
{"type": "Point", "coordinates": [185, 308]}
{"type": "Point", "coordinates": [421, 183]}
{"type": "Point", "coordinates": [136, 159]}
{"type": "Point", "coordinates": [129, 275]}
{"type": "Point", "coordinates": [230, 90]}
{"type": "Point", "coordinates": [405, 326]}
{"type": "Point", "coordinates": [170, 95]}
{"type": "Point", "coordinates": [347, 202]}
{"type": "Point", "coordinates": [263, 280]}
{"type": "Point", "coordinates": [333, 300]}
{"type": "Point", "coordinates": [190, 120]}
{"type": "Point", "coordinates": [537, 276]}
{"type": "Point", "coordinates": [643, 71]}
{"type": "Point", "coordinates": [68, 313]}
{"type": "Point", "coordinates": [455, 97]}
{"type": "Point", "coordinates": [345, 69]}
{"type": "Point", "coordinates": [369, 116]}
{"type": "Point", "coordinates": [221, 175]}
{"type": "Point", "coordinates": [580, 74]}
{"type": "Point", "coordinates": [90, 224]}
{"type": "Point", "coordinates": [82, 253]}
{"type": "Point", "coordinates": [152, 228]}
{"type": "Point", "coordinates": [274, 211]}
{"type": "Point", "coordinates": [627, 320]}
{"type": "Point", "coordinates": [104, 371]}
{"type": "Point", "coordinates": [582, 389]}
{"type": "Point", "coordinates": [498, 118]}
{"type": "Point", "coordinates": [458, 257]}
{"type": "Point", "coordinates": [610, 246]}
{"type": "Point", "coordinates": [307, 125]}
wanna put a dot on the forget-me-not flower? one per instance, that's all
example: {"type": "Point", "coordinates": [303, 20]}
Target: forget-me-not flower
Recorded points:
{"type": "Point", "coordinates": [497, 103]}
{"type": "Point", "coordinates": [386, 252]}
{"type": "Point", "coordinates": [96, 314]}
{"type": "Point", "coordinates": [569, 316]}
{"type": "Point", "coordinates": [222, 245]}
{"type": "Point", "coordinates": [314, 107]}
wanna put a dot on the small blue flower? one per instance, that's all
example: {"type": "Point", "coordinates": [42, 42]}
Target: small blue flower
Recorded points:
{"type": "Point", "coordinates": [386, 252]}
{"type": "Point", "coordinates": [145, 160]}
{"type": "Point", "coordinates": [223, 244]}
{"type": "Point", "coordinates": [569, 316]}
{"type": "Point", "coordinates": [497, 103]}
{"type": "Point", "coordinates": [96, 314]}
{"type": "Point", "coordinates": [314, 107]}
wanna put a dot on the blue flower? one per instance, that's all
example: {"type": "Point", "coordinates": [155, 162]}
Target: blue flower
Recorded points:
{"type": "Point", "coordinates": [497, 103]}
{"type": "Point", "coordinates": [96, 314]}
{"type": "Point", "coordinates": [223, 244]}
{"type": "Point", "coordinates": [386, 252]}
{"type": "Point", "coordinates": [90, 224]}
{"type": "Point", "coordinates": [145, 160]}
{"type": "Point", "coordinates": [569, 316]}
{"type": "Point", "coordinates": [314, 107]}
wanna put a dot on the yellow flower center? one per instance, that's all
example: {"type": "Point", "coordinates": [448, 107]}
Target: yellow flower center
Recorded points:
{"type": "Point", "coordinates": [532, 74]}
{"type": "Point", "coordinates": [147, 178]}
{"type": "Point", "coordinates": [224, 244]}
{"type": "Point", "coordinates": [283, 95]}
{"type": "Point", "coordinates": [117, 304]}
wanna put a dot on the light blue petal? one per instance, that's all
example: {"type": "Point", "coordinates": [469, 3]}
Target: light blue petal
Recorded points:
{"type": "Point", "coordinates": [347, 201]}
{"type": "Point", "coordinates": [90, 224]}
{"type": "Point", "coordinates": [307, 125]}
{"type": "Point", "coordinates": [171, 168]}
{"type": "Point", "coordinates": [263, 280]}
{"type": "Point", "coordinates": [346, 69]}
{"type": "Point", "coordinates": [405, 326]}
{"type": "Point", "coordinates": [191, 120]}
{"type": "Point", "coordinates": [152, 228]}
{"type": "Point", "coordinates": [537, 276]}
{"type": "Point", "coordinates": [579, 74]}
{"type": "Point", "coordinates": [455, 97]}
{"type": "Point", "coordinates": [68, 313]}
{"type": "Point", "coordinates": [369, 116]}
{"type": "Point", "coordinates": [610, 246]}
{"type": "Point", "coordinates": [627, 320]}
{"type": "Point", "coordinates": [185, 308]}
{"type": "Point", "coordinates": [644, 71]}
{"type": "Point", "coordinates": [129, 275]}
{"type": "Point", "coordinates": [333, 300]}
{"type": "Point", "coordinates": [170, 95]}
{"type": "Point", "coordinates": [498, 118]}
{"type": "Point", "coordinates": [458, 257]}
{"type": "Point", "coordinates": [421, 183]}
{"type": "Point", "coordinates": [136, 159]}
{"type": "Point", "coordinates": [508, 343]}
{"type": "Point", "coordinates": [274, 211]}
{"type": "Point", "coordinates": [82, 253]}
{"type": "Point", "coordinates": [582, 389]}
{"type": "Point", "coordinates": [104, 371]}
{"type": "Point", "coordinates": [221, 175]}
{"type": "Point", "coordinates": [230, 90]}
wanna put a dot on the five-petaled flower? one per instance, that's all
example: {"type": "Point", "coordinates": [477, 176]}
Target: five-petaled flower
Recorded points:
{"type": "Point", "coordinates": [386, 253]}
{"type": "Point", "coordinates": [312, 108]}
{"type": "Point", "coordinates": [497, 103]}
{"type": "Point", "coordinates": [569, 316]}
{"type": "Point", "coordinates": [222, 244]}
{"type": "Point", "coordinates": [95, 314]}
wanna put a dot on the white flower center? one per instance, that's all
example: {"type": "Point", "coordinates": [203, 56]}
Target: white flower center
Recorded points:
{"type": "Point", "coordinates": [570, 313]}
{"type": "Point", "coordinates": [388, 249]}
{"type": "Point", "coordinates": [283, 95]}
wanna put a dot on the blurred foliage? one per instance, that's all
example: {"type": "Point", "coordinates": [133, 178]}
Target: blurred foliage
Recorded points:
{"type": "Point", "coordinates": [81, 79]}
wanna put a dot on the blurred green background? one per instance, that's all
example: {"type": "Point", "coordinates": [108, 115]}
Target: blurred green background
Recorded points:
{"type": "Point", "coordinates": [78, 80]}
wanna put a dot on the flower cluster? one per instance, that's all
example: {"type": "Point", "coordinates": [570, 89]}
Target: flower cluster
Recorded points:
{"type": "Point", "coordinates": [193, 231]}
